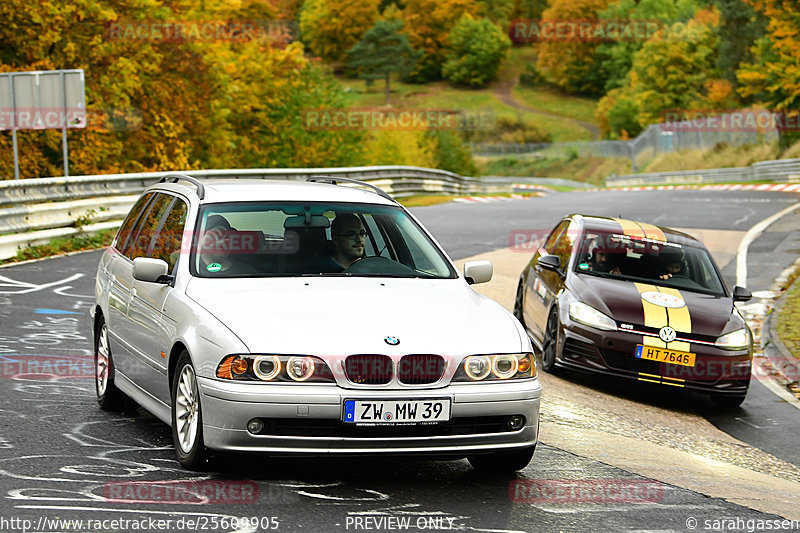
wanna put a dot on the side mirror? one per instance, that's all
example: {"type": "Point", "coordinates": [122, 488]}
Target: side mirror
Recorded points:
{"type": "Point", "coordinates": [150, 270]}
{"type": "Point", "coordinates": [478, 271]}
{"type": "Point", "coordinates": [740, 294]}
{"type": "Point", "coordinates": [549, 262]}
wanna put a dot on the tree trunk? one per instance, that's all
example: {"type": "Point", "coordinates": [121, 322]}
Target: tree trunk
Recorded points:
{"type": "Point", "coordinates": [386, 77]}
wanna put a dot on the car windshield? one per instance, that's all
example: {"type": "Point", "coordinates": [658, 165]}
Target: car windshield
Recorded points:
{"type": "Point", "coordinates": [313, 239]}
{"type": "Point", "coordinates": [644, 260]}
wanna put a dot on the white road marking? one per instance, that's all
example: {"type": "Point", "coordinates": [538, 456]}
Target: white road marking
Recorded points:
{"type": "Point", "coordinates": [749, 237]}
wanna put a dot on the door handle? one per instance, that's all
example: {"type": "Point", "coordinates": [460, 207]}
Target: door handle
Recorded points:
{"type": "Point", "coordinates": [133, 293]}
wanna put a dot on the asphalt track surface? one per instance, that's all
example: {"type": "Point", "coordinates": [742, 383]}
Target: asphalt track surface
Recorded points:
{"type": "Point", "coordinates": [764, 420]}
{"type": "Point", "coordinates": [63, 458]}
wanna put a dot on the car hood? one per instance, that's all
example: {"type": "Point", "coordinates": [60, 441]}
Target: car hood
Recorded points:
{"type": "Point", "coordinates": [342, 316]}
{"type": "Point", "coordinates": [623, 301]}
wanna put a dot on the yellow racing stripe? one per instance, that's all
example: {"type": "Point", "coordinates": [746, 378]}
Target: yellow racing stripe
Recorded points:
{"type": "Point", "coordinates": [679, 319]}
{"type": "Point", "coordinates": [630, 228]}
{"type": "Point", "coordinates": [655, 316]}
{"type": "Point", "coordinates": [652, 232]}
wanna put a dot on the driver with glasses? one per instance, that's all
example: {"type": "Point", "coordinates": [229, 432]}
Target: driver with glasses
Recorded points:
{"type": "Point", "coordinates": [349, 240]}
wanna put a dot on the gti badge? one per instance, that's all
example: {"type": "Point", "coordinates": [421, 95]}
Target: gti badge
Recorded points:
{"type": "Point", "coordinates": [667, 334]}
{"type": "Point", "coordinates": [392, 341]}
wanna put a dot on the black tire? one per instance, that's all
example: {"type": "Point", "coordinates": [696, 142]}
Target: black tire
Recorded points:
{"type": "Point", "coordinates": [109, 397]}
{"type": "Point", "coordinates": [518, 304]}
{"type": "Point", "coordinates": [550, 342]}
{"type": "Point", "coordinates": [502, 462]}
{"type": "Point", "coordinates": [187, 416]}
{"type": "Point", "coordinates": [728, 401]}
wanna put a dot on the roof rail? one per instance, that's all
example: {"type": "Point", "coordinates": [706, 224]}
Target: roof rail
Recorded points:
{"type": "Point", "coordinates": [333, 181]}
{"type": "Point", "coordinates": [173, 178]}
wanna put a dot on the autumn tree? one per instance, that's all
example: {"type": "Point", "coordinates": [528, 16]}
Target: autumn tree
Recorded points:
{"type": "Point", "coordinates": [196, 103]}
{"type": "Point", "coordinates": [476, 48]}
{"type": "Point", "coordinates": [428, 24]}
{"type": "Point", "coordinates": [528, 9]}
{"type": "Point", "coordinates": [674, 71]}
{"type": "Point", "coordinates": [614, 59]}
{"type": "Point", "coordinates": [381, 52]}
{"type": "Point", "coordinates": [773, 76]}
{"type": "Point", "coordinates": [498, 11]}
{"type": "Point", "coordinates": [740, 28]}
{"type": "Point", "coordinates": [570, 62]}
{"type": "Point", "coordinates": [329, 28]}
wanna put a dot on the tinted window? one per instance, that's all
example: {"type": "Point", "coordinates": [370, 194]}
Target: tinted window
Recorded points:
{"type": "Point", "coordinates": [147, 226]}
{"type": "Point", "coordinates": [291, 239]}
{"type": "Point", "coordinates": [610, 254]}
{"type": "Point", "coordinates": [550, 244]}
{"type": "Point", "coordinates": [167, 242]}
{"type": "Point", "coordinates": [562, 248]}
{"type": "Point", "coordinates": [122, 240]}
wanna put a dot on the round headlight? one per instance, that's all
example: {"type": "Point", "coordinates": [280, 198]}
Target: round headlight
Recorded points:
{"type": "Point", "coordinates": [300, 368]}
{"type": "Point", "coordinates": [504, 366]}
{"type": "Point", "coordinates": [477, 366]}
{"type": "Point", "coordinates": [267, 367]}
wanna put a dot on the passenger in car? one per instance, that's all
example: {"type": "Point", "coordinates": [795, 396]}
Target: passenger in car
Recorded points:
{"type": "Point", "coordinates": [219, 247]}
{"type": "Point", "coordinates": [671, 263]}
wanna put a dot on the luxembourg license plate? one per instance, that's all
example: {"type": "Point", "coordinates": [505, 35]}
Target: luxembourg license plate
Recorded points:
{"type": "Point", "coordinates": [429, 411]}
{"type": "Point", "coordinates": [662, 355]}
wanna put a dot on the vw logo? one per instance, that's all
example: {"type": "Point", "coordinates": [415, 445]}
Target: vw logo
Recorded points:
{"type": "Point", "coordinates": [667, 334]}
{"type": "Point", "coordinates": [392, 341]}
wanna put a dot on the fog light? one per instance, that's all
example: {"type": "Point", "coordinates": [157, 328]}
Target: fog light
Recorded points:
{"type": "Point", "coordinates": [255, 426]}
{"type": "Point", "coordinates": [515, 422]}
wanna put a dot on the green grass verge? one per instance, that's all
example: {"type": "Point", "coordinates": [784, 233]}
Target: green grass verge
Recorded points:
{"type": "Point", "coordinates": [422, 200]}
{"type": "Point", "coordinates": [592, 170]}
{"type": "Point", "coordinates": [788, 319]}
{"type": "Point", "coordinates": [552, 100]}
{"type": "Point", "coordinates": [62, 246]}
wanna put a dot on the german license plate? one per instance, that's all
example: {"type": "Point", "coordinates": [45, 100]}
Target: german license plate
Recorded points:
{"type": "Point", "coordinates": [662, 355]}
{"type": "Point", "coordinates": [429, 411]}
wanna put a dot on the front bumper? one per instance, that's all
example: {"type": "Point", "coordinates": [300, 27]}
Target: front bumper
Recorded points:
{"type": "Point", "coordinates": [612, 352]}
{"type": "Point", "coordinates": [308, 419]}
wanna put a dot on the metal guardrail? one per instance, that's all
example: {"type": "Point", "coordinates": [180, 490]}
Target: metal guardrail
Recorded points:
{"type": "Point", "coordinates": [786, 170]}
{"type": "Point", "coordinates": [33, 211]}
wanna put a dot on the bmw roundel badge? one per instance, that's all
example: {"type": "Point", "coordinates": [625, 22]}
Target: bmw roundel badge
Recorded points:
{"type": "Point", "coordinates": [392, 341]}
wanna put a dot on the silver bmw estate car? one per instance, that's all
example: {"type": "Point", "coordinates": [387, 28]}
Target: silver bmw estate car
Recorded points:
{"type": "Point", "coordinates": [318, 317]}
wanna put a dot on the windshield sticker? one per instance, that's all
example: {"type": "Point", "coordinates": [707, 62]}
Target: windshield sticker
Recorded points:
{"type": "Point", "coordinates": [214, 267]}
